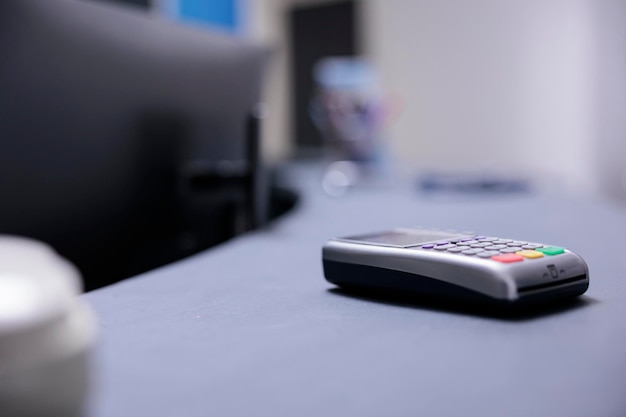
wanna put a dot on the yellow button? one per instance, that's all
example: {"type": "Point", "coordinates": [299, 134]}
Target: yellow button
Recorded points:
{"type": "Point", "coordinates": [531, 254]}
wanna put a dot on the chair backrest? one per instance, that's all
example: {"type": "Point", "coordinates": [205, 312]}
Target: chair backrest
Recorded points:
{"type": "Point", "coordinates": [99, 107]}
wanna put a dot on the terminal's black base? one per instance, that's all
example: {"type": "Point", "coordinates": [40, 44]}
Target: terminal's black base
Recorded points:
{"type": "Point", "coordinates": [422, 288]}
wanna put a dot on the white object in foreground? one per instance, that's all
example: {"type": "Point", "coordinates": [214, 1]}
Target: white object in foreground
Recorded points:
{"type": "Point", "coordinates": [46, 332]}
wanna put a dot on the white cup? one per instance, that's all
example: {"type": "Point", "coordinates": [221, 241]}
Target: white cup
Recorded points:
{"type": "Point", "coordinates": [46, 332]}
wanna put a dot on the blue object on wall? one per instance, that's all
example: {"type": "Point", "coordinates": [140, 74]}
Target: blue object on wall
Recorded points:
{"type": "Point", "coordinates": [221, 13]}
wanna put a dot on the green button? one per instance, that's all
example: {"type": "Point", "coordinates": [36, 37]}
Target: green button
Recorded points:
{"type": "Point", "coordinates": [551, 250]}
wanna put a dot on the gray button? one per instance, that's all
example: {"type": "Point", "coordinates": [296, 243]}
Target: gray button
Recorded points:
{"type": "Point", "coordinates": [470, 242]}
{"type": "Point", "coordinates": [480, 245]}
{"type": "Point", "coordinates": [487, 254]}
{"type": "Point", "coordinates": [517, 243]}
{"type": "Point", "coordinates": [502, 241]}
{"type": "Point", "coordinates": [472, 251]}
{"type": "Point", "coordinates": [456, 249]}
{"type": "Point", "coordinates": [532, 246]}
{"type": "Point", "coordinates": [490, 239]}
{"type": "Point", "coordinates": [463, 247]}
{"type": "Point", "coordinates": [495, 247]}
{"type": "Point", "coordinates": [511, 249]}
{"type": "Point", "coordinates": [444, 247]}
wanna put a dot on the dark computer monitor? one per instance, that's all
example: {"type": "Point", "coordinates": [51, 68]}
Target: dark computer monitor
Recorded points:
{"type": "Point", "coordinates": [98, 104]}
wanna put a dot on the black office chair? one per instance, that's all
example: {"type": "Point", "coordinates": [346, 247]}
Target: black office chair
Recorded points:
{"type": "Point", "coordinates": [126, 142]}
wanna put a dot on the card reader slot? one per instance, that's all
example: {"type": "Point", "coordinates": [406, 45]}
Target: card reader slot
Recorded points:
{"type": "Point", "coordinates": [548, 285]}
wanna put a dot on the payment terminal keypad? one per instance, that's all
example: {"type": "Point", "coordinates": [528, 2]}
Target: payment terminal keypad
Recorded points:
{"type": "Point", "coordinates": [495, 249]}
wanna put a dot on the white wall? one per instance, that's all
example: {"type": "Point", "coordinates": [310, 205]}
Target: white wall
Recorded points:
{"type": "Point", "coordinates": [499, 84]}
{"type": "Point", "coordinates": [536, 86]}
{"type": "Point", "coordinates": [609, 139]}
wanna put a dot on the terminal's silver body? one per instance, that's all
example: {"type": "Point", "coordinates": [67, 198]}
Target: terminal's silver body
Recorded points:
{"type": "Point", "coordinates": [500, 281]}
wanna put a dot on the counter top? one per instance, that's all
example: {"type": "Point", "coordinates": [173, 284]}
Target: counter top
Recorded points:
{"type": "Point", "coordinates": [252, 328]}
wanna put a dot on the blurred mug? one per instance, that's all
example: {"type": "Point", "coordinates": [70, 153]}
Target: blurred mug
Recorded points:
{"type": "Point", "coordinates": [46, 332]}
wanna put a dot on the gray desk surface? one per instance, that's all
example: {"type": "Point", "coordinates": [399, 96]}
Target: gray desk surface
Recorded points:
{"type": "Point", "coordinates": [252, 328]}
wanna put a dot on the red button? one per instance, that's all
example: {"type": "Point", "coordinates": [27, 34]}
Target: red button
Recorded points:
{"type": "Point", "coordinates": [507, 258]}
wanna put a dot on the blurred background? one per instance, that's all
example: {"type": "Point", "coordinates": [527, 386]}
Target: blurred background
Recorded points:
{"type": "Point", "coordinates": [474, 93]}
{"type": "Point", "coordinates": [135, 133]}
{"type": "Point", "coordinates": [537, 87]}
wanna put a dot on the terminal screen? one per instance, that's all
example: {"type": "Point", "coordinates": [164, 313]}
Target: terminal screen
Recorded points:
{"type": "Point", "coordinates": [406, 237]}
